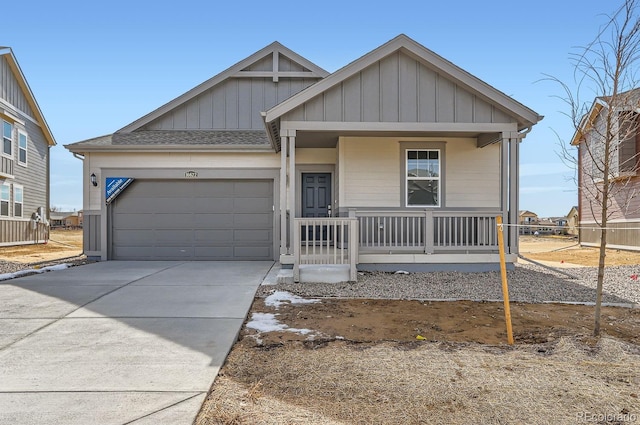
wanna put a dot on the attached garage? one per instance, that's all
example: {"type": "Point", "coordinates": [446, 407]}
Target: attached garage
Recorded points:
{"type": "Point", "coordinates": [193, 220]}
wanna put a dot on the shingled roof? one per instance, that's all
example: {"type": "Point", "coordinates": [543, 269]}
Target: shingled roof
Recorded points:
{"type": "Point", "coordinates": [240, 139]}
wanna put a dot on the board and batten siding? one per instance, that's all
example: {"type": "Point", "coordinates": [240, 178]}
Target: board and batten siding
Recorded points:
{"type": "Point", "coordinates": [234, 104]}
{"type": "Point", "coordinates": [398, 88]}
{"type": "Point", "coordinates": [10, 90]}
{"type": "Point", "coordinates": [370, 173]}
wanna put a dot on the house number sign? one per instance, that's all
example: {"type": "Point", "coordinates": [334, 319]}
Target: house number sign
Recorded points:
{"type": "Point", "coordinates": [191, 174]}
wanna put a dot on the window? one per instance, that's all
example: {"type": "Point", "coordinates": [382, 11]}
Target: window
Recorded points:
{"type": "Point", "coordinates": [4, 200]}
{"type": "Point", "coordinates": [7, 138]}
{"type": "Point", "coordinates": [18, 196]}
{"type": "Point", "coordinates": [22, 147]}
{"type": "Point", "coordinates": [423, 178]}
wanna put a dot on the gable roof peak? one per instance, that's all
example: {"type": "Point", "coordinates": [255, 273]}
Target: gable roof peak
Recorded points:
{"type": "Point", "coordinates": [240, 69]}
{"type": "Point", "coordinates": [7, 52]}
{"type": "Point", "coordinates": [526, 117]}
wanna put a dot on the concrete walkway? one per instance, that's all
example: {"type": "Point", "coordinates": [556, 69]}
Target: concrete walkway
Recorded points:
{"type": "Point", "coordinates": [119, 342]}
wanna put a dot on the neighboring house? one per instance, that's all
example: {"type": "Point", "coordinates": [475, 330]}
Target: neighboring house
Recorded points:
{"type": "Point", "coordinates": [527, 221]}
{"type": "Point", "coordinates": [624, 203]}
{"type": "Point", "coordinates": [573, 220]}
{"type": "Point", "coordinates": [67, 219]}
{"type": "Point", "coordinates": [24, 158]}
{"type": "Point", "coordinates": [560, 225]}
{"type": "Point", "coordinates": [398, 160]}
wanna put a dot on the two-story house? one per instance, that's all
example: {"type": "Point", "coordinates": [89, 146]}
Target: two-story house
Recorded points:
{"type": "Point", "coordinates": [24, 158]}
{"type": "Point", "coordinates": [616, 119]}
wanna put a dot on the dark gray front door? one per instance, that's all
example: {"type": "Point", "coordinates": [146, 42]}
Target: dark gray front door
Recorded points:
{"type": "Point", "coordinates": [316, 194]}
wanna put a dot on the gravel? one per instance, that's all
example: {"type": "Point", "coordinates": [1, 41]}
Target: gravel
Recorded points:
{"type": "Point", "coordinates": [11, 267]}
{"type": "Point", "coordinates": [527, 283]}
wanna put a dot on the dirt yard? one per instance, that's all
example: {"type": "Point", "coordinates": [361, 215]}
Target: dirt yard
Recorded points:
{"type": "Point", "coordinates": [62, 244]}
{"type": "Point", "coordinates": [347, 361]}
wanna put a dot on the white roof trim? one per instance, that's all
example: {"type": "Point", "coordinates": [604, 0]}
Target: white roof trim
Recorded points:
{"type": "Point", "coordinates": [234, 71]}
{"type": "Point", "coordinates": [421, 53]}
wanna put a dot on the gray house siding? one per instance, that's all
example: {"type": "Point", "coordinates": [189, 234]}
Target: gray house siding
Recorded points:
{"type": "Point", "coordinates": [398, 88]}
{"type": "Point", "coordinates": [18, 107]}
{"type": "Point", "coordinates": [33, 176]}
{"type": "Point", "coordinates": [234, 104]}
{"type": "Point", "coordinates": [10, 90]}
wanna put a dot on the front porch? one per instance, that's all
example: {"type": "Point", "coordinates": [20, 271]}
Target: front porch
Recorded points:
{"type": "Point", "coordinates": [424, 240]}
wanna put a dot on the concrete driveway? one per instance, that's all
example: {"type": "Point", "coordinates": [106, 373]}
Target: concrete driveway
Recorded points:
{"type": "Point", "coordinates": [119, 342]}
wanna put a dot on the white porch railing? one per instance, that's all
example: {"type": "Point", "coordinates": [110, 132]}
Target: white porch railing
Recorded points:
{"type": "Point", "coordinates": [426, 231]}
{"type": "Point", "coordinates": [325, 241]}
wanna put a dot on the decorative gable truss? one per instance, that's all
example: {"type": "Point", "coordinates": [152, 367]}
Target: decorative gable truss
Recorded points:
{"type": "Point", "coordinates": [234, 99]}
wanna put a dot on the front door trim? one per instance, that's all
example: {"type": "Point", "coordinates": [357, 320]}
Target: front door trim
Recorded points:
{"type": "Point", "coordinates": [315, 168]}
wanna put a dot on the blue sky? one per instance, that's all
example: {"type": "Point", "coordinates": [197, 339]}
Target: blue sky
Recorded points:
{"type": "Point", "coordinates": [96, 66]}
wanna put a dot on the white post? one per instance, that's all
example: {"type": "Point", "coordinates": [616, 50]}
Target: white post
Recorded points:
{"type": "Point", "coordinates": [429, 232]}
{"type": "Point", "coordinates": [514, 148]}
{"type": "Point", "coordinates": [504, 173]}
{"type": "Point", "coordinates": [353, 249]}
{"type": "Point", "coordinates": [293, 245]}
{"type": "Point", "coordinates": [283, 195]}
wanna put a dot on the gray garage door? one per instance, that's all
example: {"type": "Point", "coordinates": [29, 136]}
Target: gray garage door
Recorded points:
{"type": "Point", "coordinates": [193, 220]}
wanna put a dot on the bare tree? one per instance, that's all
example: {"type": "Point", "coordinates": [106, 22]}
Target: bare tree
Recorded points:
{"type": "Point", "coordinates": [606, 129]}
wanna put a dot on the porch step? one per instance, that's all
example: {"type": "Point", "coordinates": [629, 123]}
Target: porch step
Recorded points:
{"type": "Point", "coordinates": [316, 273]}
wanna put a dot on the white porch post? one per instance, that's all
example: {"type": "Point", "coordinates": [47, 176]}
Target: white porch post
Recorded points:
{"type": "Point", "coordinates": [504, 174]}
{"type": "Point", "coordinates": [292, 188]}
{"type": "Point", "coordinates": [283, 195]}
{"type": "Point", "coordinates": [514, 149]}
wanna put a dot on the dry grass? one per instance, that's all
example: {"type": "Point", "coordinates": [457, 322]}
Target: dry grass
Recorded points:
{"type": "Point", "coordinates": [62, 243]}
{"type": "Point", "coordinates": [426, 383]}
{"type": "Point", "coordinates": [562, 249]}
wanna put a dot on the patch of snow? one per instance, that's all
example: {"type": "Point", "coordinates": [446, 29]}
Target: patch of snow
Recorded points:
{"type": "Point", "coordinates": [267, 322]}
{"type": "Point", "coordinates": [280, 297]}
{"type": "Point", "coordinates": [7, 276]}
{"type": "Point", "coordinates": [401, 272]}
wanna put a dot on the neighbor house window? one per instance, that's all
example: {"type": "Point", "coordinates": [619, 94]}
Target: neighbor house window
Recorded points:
{"type": "Point", "coordinates": [22, 148]}
{"type": "Point", "coordinates": [7, 138]}
{"type": "Point", "coordinates": [18, 196]}
{"type": "Point", "coordinates": [4, 200]}
{"type": "Point", "coordinates": [423, 178]}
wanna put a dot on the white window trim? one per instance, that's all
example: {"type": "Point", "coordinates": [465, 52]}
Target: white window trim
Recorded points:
{"type": "Point", "coordinates": [438, 179]}
{"type": "Point", "coordinates": [13, 129]}
{"type": "Point", "coordinates": [15, 188]}
{"type": "Point", "coordinates": [26, 148]}
{"type": "Point", "coordinates": [8, 186]}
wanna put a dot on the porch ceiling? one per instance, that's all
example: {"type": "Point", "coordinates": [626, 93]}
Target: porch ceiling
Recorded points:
{"type": "Point", "coordinates": [329, 139]}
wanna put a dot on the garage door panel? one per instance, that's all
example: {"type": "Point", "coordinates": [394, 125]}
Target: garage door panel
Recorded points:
{"type": "Point", "coordinates": [133, 237]}
{"type": "Point", "coordinates": [252, 235]}
{"type": "Point", "coordinates": [251, 252]}
{"type": "Point", "coordinates": [130, 221]}
{"type": "Point", "coordinates": [254, 188]}
{"type": "Point", "coordinates": [253, 204]}
{"type": "Point", "coordinates": [216, 221]}
{"type": "Point", "coordinates": [218, 188]}
{"type": "Point", "coordinates": [219, 252]}
{"type": "Point", "coordinates": [173, 236]}
{"type": "Point", "coordinates": [218, 235]}
{"type": "Point", "coordinates": [168, 252]}
{"type": "Point", "coordinates": [214, 205]}
{"type": "Point", "coordinates": [251, 221]}
{"type": "Point", "coordinates": [185, 219]}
